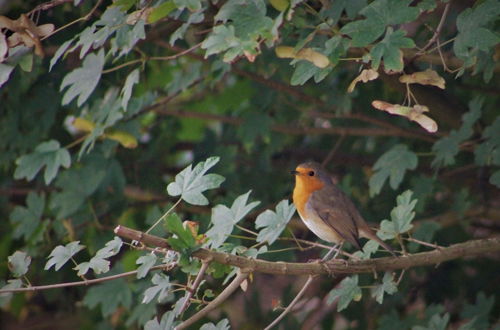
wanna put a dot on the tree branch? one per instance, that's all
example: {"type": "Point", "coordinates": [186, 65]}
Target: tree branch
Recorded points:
{"type": "Point", "coordinates": [351, 131]}
{"type": "Point", "coordinates": [434, 257]}
{"type": "Point", "coordinates": [196, 283]}
{"type": "Point", "coordinates": [80, 283]}
{"type": "Point", "coordinates": [242, 276]}
{"type": "Point", "coordinates": [436, 33]}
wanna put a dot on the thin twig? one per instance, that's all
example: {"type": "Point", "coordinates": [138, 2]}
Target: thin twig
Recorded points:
{"type": "Point", "coordinates": [436, 33]}
{"type": "Point", "coordinates": [194, 287]}
{"type": "Point", "coordinates": [80, 283]}
{"type": "Point", "coordinates": [48, 5]}
{"type": "Point", "coordinates": [434, 246]}
{"type": "Point", "coordinates": [300, 294]}
{"type": "Point", "coordinates": [83, 18]}
{"type": "Point", "coordinates": [294, 301]}
{"type": "Point", "coordinates": [152, 58]}
{"type": "Point", "coordinates": [240, 277]}
{"type": "Point", "coordinates": [164, 215]}
{"type": "Point", "coordinates": [332, 152]}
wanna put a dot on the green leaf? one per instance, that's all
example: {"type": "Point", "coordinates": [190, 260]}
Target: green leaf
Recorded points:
{"type": "Point", "coordinates": [190, 183]}
{"type": "Point", "coordinates": [304, 70]}
{"type": "Point", "coordinates": [5, 71]}
{"type": "Point", "coordinates": [425, 233]}
{"type": "Point", "coordinates": [248, 18]}
{"type": "Point", "coordinates": [98, 263]}
{"type": "Point", "coordinates": [48, 154]}
{"type": "Point", "coordinates": [488, 152]}
{"type": "Point", "coordinates": [273, 223]}
{"type": "Point", "coordinates": [161, 11]}
{"type": "Point", "coordinates": [59, 53]}
{"type": "Point", "coordinates": [27, 219]}
{"type": "Point", "coordinates": [77, 184]}
{"type": "Point", "coordinates": [472, 33]}
{"type": "Point", "coordinates": [447, 147]}
{"type": "Point", "coordinates": [6, 297]}
{"type": "Point", "coordinates": [192, 5]}
{"type": "Point", "coordinates": [392, 165]}
{"type": "Point", "coordinates": [436, 323]}
{"type": "Point", "coordinates": [222, 325]}
{"type": "Point", "coordinates": [183, 238]}
{"type": "Point", "coordinates": [479, 312]}
{"type": "Point", "coordinates": [146, 262]}
{"type": "Point", "coordinates": [132, 79]}
{"type": "Point", "coordinates": [254, 125]}
{"type": "Point", "coordinates": [160, 288]}
{"type": "Point", "coordinates": [495, 178]}
{"type": "Point", "coordinates": [224, 219]}
{"type": "Point", "coordinates": [388, 286]}
{"type": "Point", "coordinates": [389, 49]}
{"type": "Point", "coordinates": [347, 291]}
{"type": "Point", "coordinates": [401, 217]}
{"type": "Point", "coordinates": [222, 38]}
{"type": "Point", "coordinates": [83, 81]}
{"type": "Point", "coordinates": [110, 295]}
{"type": "Point", "coordinates": [167, 322]}
{"type": "Point", "coordinates": [379, 14]}
{"type": "Point", "coordinates": [61, 254]}
{"type": "Point", "coordinates": [19, 263]}
{"type": "Point", "coordinates": [363, 32]}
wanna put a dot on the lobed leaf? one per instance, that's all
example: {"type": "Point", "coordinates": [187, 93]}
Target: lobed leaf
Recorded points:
{"type": "Point", "coordinates": [347, 291]}
{"type": "Point", "coordinates": [392, 165]}
{"type": "Point", "coordinates": [47, 154]}
{"type": "Point", "coordinates": [190, 183]}
{"type": "Point", "coordinates": [273, 223]}
{"type": "Point", "coordinates": [19, 263]}
{"type": "Point", "coordinates": [61, 254]}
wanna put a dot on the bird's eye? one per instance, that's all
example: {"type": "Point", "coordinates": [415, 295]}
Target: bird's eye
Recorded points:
{"type": "Point", "coordinates": [311, 173]}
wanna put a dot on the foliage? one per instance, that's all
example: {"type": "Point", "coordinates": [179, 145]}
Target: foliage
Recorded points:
{"type": "Point", "coordinates": [172, 112]}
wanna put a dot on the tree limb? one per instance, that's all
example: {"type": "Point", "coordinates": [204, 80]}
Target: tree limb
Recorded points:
{"type": "Point", "coordinates": [240, 277]}
{"type": "Point", "coordinates": [434, 257]}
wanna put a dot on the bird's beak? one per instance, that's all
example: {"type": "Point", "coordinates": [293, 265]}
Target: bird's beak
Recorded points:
{"type": "Point", "coordinates": [294, 172]}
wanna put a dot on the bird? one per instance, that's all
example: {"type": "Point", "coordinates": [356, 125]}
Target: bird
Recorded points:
{"type": "Point", "coordinates": [327, 211]}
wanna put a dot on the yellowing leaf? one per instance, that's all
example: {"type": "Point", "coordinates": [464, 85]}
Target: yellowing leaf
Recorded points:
{"type": "Point", "coordinates": [135, 16]}
{"type": "Point", "coordinates": [414, 113]}
{"type": "Point", "coordinates": [280, 5]}
{"type": "Point", "coordinates": [365, 76]}
{"type": "Point", "coordinates": [318, 59]}
{"type": "Point", "coordinates": [127, 140]}
{"type": "Point", "coordinates": [83, 125]}
{"type": "Point", "coordinates": [427, 77]}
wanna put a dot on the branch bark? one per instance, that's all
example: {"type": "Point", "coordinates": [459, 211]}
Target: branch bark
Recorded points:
{"type": "Point", "coordinates": [434, 257]}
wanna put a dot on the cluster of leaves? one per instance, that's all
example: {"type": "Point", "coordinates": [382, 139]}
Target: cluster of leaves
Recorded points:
{"type": "Point", "coordinates": [107, 87]}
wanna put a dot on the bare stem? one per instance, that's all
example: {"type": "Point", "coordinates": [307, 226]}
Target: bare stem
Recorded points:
{"type": "Point", "coordinates": [242, 276]}
{"type": "Point", "coordinates": [164, 215]}
{"type": "Point", "coordinates": [80, 283]}
{"type": "Point", "coordinates": [194, 288]}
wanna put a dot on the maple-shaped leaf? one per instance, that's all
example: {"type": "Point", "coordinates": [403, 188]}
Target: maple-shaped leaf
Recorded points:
{"type": "Point", "coordinates": [224, 219]}
{"type": "Point", "coordinates": [273, 223]}
{"type": "Point", "coordinates": [61, 254]}
{"type": "Point", "coordinates": [389, 50]}
{"type": "Point", "coordinates": [47, 154]}
{"type": "Point", "coordinates": [191, 182]}
{"type": "Point", "coordinates": [82, 81]}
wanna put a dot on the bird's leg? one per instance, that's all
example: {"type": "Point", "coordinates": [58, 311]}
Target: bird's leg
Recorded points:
{"type": "Point", "coordinates": [327, 255]}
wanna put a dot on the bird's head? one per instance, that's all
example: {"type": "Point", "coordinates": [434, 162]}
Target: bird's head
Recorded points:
{"type": "Point", "coordinates": [310, 176]}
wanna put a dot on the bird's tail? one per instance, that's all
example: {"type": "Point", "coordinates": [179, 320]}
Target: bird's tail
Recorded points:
{"type": "Point", "coordinates": [368, 233]}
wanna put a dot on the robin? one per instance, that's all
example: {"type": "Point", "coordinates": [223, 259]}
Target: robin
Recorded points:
{"type": "Point", "coordinates": [326, 210]}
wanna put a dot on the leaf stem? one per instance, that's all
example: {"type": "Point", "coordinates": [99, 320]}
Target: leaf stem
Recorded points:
{"type": "Point", "coordinates": [164, 215]}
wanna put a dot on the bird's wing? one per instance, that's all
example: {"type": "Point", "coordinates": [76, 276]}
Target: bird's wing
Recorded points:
{"type": "Point", "coordinates": [336, 210]}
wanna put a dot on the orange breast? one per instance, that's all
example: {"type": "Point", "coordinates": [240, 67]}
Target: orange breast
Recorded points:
{"type": "Point", "coordinates": [304, 187]}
